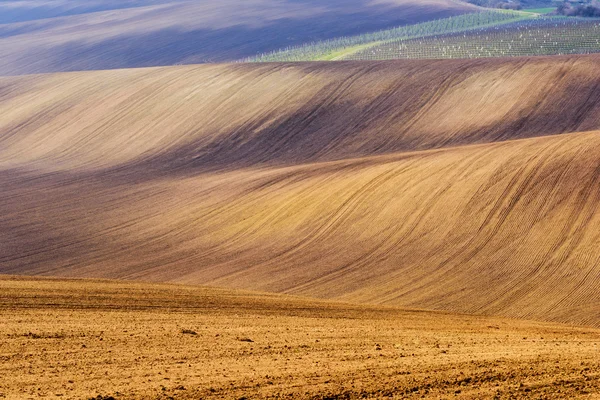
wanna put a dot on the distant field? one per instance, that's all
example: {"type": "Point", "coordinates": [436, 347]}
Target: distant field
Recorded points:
{"type": "Point", "coordinates": [541, 36]}
{"type": "Point", "coordinates": [345, 47]}
{"type": "Point", "coordinates": [83, 339]}
{"type": "Point", "coordinates": [544, 10]}
{"type": "Point", "coordinates": [477, 35]}
{"type": "Point", "coordinates": [60, 35]}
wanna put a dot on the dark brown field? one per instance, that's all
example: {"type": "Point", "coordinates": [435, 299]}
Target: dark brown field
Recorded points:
{"type": "Point", "coordinates": [81, 339]}
{"type": "Point", "coordinates": [68, 35]}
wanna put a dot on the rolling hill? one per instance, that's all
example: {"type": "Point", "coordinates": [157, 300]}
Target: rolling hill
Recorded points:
{"type": "Point", "coordinates": [468, 186]}
{"type": "Point", "coordinates": [58, 35]}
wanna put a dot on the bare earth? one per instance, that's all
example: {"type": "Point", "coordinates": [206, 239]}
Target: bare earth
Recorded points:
{"type": "Point", "coordinates": [80, 339]}
{"type": "Point", "coordinates": [465, 186]}
{"type": "Point", "coordinates": [47, 36]}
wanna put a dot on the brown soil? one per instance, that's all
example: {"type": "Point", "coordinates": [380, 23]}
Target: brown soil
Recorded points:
{"type": "Point", "coordinates": [395, 183]}
{"type": "Point", "coordinates": [83, 339]}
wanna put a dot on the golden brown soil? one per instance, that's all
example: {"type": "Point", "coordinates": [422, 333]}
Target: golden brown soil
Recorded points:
{"type": "Point", "coordinates": [227, 116]}
{"type": "Point", "coordinates": [80, 339]}
{"type": "Point", "coordinates": [395, 183]}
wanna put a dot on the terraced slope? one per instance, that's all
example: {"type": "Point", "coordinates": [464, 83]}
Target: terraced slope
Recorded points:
{"type": "Point", "coordinates": [45, 36]}
{"type": "Point", "coordinates": [398, 183]}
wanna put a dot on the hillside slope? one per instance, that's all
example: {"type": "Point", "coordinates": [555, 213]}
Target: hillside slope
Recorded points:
{"type": "Point", "coordinates": [337, 181]}
{"type": "Point", "coordinates": [217, 116]}
{"type": "Point", "coordinates": [42, 36]}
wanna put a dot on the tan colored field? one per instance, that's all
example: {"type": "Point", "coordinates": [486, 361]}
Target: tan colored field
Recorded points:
{"type": "Point", "coordinates": [467, 188]}
{"type": "Point", "coordinates": [208, 117]}
{"type": "Point", "coordinates": [67, 35]}
{"type": "Point", "coordinates": [82, 339]}
{"type": "Point", "coordinates": [396, 183]}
